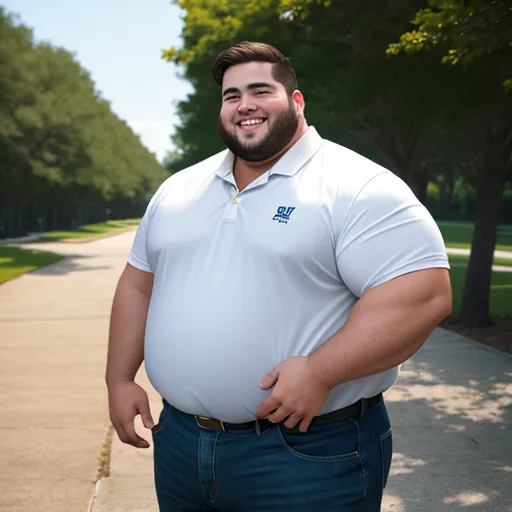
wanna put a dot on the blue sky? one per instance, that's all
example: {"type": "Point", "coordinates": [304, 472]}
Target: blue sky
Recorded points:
{"type": "Point", "coordinates": [119, 42]}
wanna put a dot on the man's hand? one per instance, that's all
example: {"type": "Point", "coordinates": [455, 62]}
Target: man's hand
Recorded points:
{"type": "Point", "coordinates": [298, 394]}
{"type": "Point", "coordinates": [126, 400]}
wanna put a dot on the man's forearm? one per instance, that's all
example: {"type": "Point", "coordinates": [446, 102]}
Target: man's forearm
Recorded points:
{"type": "Point", "coordinates": [126, 337]}
{"type": "Point", "coordinates": [386, 327]}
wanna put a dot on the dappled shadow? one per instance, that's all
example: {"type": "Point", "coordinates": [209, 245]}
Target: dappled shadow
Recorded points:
{"type": "Point", "coordinates": [452, 421]}
{"type": "Point", "coordinates": [70, 264]}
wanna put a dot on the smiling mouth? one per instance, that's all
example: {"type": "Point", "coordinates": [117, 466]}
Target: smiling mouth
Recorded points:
{"type": "Point", "coordinates": [251, 124]}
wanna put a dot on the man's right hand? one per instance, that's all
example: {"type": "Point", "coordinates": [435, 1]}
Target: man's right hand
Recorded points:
{"type": "Point", "coordinates": [127, 400]}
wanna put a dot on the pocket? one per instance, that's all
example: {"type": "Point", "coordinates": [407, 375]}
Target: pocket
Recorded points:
{"type": "Point", "coordinates": [323, 443]}
{"type": "Point", "coordinates": [161, 420]}
{"type": "Point", "coordinates": [386, 451]}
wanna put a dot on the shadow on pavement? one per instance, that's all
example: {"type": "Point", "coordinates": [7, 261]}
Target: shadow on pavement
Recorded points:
{"type": "Point", "coordinates": [451, 414]}
{"type": "Point", "coordinates": [74, 263]}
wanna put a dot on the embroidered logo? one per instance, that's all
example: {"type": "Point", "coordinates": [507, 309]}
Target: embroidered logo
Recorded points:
{"type": "Point", "coordinates": [283, 214]}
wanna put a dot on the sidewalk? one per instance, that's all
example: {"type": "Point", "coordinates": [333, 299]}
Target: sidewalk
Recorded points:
{"type": "Point", "coordinates": [451, 409]}
{"type": "Point", "coordinates": [452, 420]}
{"type": "Point", "coordinates": [53, 404]}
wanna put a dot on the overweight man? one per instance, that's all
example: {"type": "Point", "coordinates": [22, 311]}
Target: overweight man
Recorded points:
{"type": "Point", "coordinates": [272, 291]}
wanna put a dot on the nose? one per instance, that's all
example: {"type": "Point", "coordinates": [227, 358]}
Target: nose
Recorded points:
{"type": "Point", "coordinates": [246, 105]}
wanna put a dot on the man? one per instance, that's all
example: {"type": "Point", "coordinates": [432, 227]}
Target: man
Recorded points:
{"type": "Point", "coordinates": [273, 290]}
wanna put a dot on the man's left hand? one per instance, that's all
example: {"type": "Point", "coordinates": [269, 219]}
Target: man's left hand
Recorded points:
{"type": "Point", "coordinates": [298, 394]}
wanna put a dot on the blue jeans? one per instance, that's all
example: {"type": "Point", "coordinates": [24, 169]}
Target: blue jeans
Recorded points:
{"type": "Point", "coordinates": [340, 466]}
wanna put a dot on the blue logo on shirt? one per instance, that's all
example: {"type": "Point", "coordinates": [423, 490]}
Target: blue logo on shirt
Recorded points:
{"type": "Point", "coordinates": [283, 213]}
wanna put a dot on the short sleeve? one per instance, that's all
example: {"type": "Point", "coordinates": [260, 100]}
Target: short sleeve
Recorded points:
{"type": "Point", "coordinates": [387, 232]}
{"type": "Point", "coordinates": [138, 256]}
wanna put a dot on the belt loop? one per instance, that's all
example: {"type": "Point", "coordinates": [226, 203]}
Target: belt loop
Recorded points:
{"type": "Point", "coordinates": [257, 427]}
{"type": "Point", "coordinates": [364, 406]}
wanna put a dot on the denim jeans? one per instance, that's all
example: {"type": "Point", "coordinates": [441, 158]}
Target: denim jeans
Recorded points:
{"type": "Point", "coordinates": [340, 466]}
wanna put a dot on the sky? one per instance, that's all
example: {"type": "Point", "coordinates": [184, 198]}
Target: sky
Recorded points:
{"type": "Point", "coordinates": [119, 42]}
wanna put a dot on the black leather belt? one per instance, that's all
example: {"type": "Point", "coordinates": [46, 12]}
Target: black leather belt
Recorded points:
{"type": "Point", "coordinates": [355, 410]}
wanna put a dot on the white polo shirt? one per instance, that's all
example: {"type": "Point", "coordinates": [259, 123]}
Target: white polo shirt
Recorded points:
{"type": "Point", "coordinates": [245, 281]}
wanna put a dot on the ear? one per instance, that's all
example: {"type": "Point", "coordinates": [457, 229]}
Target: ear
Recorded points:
{"type": "Point", "coordinates": [298, 101]}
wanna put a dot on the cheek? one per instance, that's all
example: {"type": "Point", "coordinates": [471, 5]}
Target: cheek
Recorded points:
{"type": "Point", "coordinates": [226, 115]}
{"type": "Point", "coordinates": [275, 106]}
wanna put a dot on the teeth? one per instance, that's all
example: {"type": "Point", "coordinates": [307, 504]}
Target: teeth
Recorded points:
{"type": "Point", "coordinates": [251, 122]}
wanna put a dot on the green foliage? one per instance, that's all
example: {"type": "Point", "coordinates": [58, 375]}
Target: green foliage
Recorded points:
{"type": "Point", "coordinates": [410, 113]}
{"type": "Point", "coordinates": [433, 191]}
{"type": "Point", "coordinates": [466, 30]}
{"type": "Point", "coordinates": [355, 96]}
{"type": "Point", "coordinates": [60, 143]}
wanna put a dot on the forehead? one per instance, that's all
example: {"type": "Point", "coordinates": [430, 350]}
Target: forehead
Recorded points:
{"type": "Point", "coordinates": [241, 75]}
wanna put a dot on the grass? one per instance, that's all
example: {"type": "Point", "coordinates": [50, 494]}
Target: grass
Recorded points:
{"type": "Point", "coordinates": [15, 261]}
{"type": "Point", "coordinates": [501, 291]}
{"type": "Point", "coordinates": [91, 232]}
{"type": "Point", "coordinates": [460, 236]}
{"type": "Point", "coordinates": [459, 259]}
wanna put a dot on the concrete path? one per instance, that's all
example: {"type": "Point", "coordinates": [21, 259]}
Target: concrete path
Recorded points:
{"type": "Point", "coordinates": [466, 252]}
{"type": "Point", "coordinates": [53, 404]}
{"type": "Point", "coordinates": [451, 409]}
{"type": "Point", "coordinates": [452, 415]}
{"type": "Point", "coordinates": [497, 254]}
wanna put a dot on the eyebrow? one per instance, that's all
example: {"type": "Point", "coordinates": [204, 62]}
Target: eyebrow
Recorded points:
{"type": "Point", "coordinates": [256, 85]}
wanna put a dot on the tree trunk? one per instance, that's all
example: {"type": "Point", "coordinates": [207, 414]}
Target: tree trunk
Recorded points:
{"type": "Point", "coordinates": [401, 150]}
{"type": "Point", "coordinates": [451, 188]}
{"type": "Point", "coordinates": [55, 217]}
{"type": "Point", "coordinates": [419, 183]}
{"type": "Point", "coordinates": [475, 310]}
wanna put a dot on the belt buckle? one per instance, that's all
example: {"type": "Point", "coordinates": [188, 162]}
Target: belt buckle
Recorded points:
{"type": "Point", "coordinates": [199, 418]}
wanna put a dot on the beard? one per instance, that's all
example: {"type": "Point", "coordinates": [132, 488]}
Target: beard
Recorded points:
{"type": "Point", "coordinates": [280, 133]}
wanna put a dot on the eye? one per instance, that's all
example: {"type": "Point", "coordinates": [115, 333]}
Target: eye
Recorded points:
{"type": "Point", "coordinates": [262, 92]}
{"type": "Point", "coordinates": [229, 98]}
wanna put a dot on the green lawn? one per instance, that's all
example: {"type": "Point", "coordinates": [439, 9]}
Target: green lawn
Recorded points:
{"type": "Point", "coordinates": [15, 261]}
{"type": "Point", "coordinates": [460, 235]}
{"type": "Point", "coordinates": [91, 231]}
{"type": "Point", "coordinates": [501, 286]}
{"type": "Point", "coordinates": [463, 259]}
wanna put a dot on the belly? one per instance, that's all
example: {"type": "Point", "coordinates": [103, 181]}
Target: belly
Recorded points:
{"type": "Point", "coordinates": [207, 366]}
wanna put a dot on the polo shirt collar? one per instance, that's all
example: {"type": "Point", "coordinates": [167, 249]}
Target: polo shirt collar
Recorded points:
{"type": "Point", "coordinates": [304, 149]}
{"type": "Point", "coordinates": [288, 164]}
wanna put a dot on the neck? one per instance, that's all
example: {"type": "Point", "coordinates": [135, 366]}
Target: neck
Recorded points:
{"type": "Point", "coordinates": [246, 172]}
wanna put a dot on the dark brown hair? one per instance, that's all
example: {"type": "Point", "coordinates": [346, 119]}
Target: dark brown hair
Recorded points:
{"type": "Point", "coordinates": [246, 51]}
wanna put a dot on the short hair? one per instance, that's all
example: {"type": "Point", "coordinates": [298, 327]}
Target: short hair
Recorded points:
{"type": "Point", "coordinates": [247, 51]}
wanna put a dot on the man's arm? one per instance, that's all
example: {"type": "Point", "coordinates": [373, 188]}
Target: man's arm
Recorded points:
{"type": "Point", "coordinates": [126, 353]}
{"type": "Point", "coordinates": [387, 325]}
{"type": "Point", "coordinates": [391, 255]}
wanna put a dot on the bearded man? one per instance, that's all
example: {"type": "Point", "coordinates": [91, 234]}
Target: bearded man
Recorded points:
{"type": "Point", "coordinates": [273, 290]}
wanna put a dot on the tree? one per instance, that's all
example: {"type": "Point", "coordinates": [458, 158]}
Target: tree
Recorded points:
{"type": "Point", "coordinates": [409, 113]}
{"type": "Point", "coordinates": [356, 96]}
{"type": "Point", "coordinates": [468, 30]}
{"type": "Point", "coordinates": [65, 157]}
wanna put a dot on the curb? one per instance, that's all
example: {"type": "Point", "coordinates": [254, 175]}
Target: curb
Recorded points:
{"type": "Point", "coordinates": [104, 466]}
{"type": "Point", "coordinates": [94, 497]}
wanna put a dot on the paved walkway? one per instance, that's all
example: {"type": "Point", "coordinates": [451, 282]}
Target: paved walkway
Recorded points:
{"type": "Point", "coordinates": [466, 252]}
{"type": "Point", "coordinates": [451, 409]}
{"type": "Point", "coordinates": [497, 254]}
